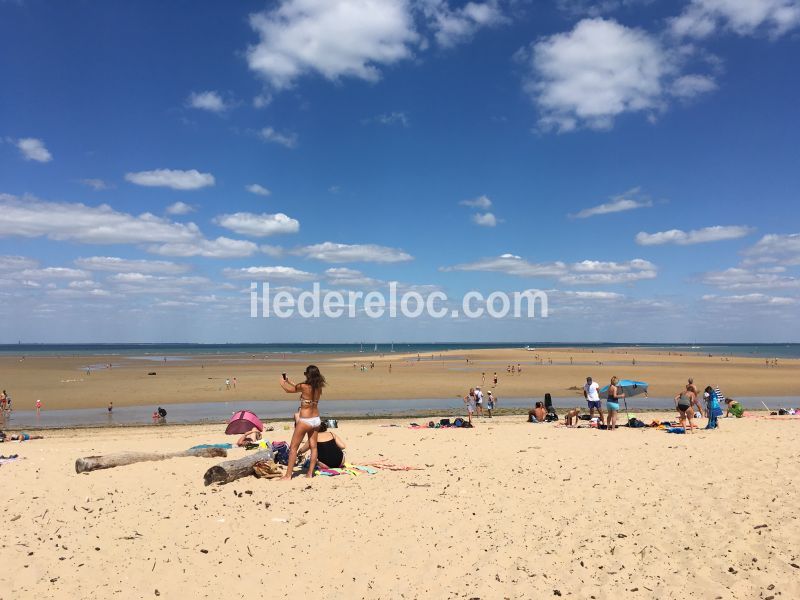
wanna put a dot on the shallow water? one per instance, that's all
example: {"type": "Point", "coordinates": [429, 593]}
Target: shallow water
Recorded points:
{"type": "Point", "coordinates": [219, 412]}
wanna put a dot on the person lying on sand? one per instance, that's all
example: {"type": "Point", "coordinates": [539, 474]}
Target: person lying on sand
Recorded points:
{"type": "Point", "coordinates": [23, 437]}
{"type": "Point", "coordinates": [571, 418]}
{"type": "Point", "coordinates": [330, 448]}
{"type": "Point", "coordinates": [251, 437]}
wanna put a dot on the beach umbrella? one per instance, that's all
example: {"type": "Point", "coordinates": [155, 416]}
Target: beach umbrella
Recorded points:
{"type": "Point", "coordinates": [243, 421]}
{"type": "Point", "coordinates": [629, 387]}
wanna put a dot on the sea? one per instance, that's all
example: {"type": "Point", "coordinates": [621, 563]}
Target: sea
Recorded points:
{"type": "Point", "coordinates": [773, 350]}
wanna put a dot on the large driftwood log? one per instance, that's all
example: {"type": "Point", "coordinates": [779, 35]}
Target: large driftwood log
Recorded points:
{"type": "Point", "coordinates": [232, 470]}
{"type": "Point", "coordinates": [93, 463]}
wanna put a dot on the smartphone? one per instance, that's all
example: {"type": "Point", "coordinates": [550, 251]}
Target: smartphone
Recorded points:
{"type": "Point", "coordinates": [284, 377]}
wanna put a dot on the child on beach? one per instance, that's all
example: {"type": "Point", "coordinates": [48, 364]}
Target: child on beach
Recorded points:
{"type": "Point", "coordinates": [469, 401]}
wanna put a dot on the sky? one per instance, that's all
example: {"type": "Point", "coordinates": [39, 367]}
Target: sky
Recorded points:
{"type": "Point", "coordinates": [637, 160]}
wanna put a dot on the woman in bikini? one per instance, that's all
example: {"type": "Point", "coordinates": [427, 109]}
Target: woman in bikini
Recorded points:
{"type": "Point", "coordinates": [612, 403]}
{"type": "Point", "coordinates": [683, 404]}
{"type": "Point", "coordinates": [307, 422]}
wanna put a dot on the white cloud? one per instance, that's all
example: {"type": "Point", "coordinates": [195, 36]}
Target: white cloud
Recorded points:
{"type": "Point", "coordinates": [208, 100]}
{"type": "Point", "coordinates": [340, 253]}
{"type": "Point", "coordinates": [221, 247]}
{"type": "Point", "coordinates": [702, 18]}
{"type": "Point", "coordinates": [484, 219]}
{"type": "Point", "coordinates": [289, 140]}
{"type": "Point", "coordinates": [96, 184]}
{"type": "Point", "coordinates": [742, 279]}
{"type": "Point", "coordinates": [171, 178]}
{"type": "Point", "coordinates": [589, 76]}
{"type": "Point", "coordinates": [689, 86]}
{"type": "Point", "coordinates": [629, 200]}
{"type": "Point", "coordinates": [751, 299]}
{"type": "Point", "coordinates": [258, 190]}
{"type": "Point", "coordinates": [74, 293]}
{"type": "Point", "coordinates": [258, 225]}
{"type": "Point", "coordinates": [716, 233]}
{"type": "Point", "coordinates": [262, 100]}
{"type": "Point", "coordinates": [48, 273]}
{"type": "Point", "coordinates": [392, 118]}
{"type": "Point", "coordinates": [342, 276]}
{"type": "Point", "coordinates": [144, 283]}
{"type": "Point", "coordinates": [334, 38]}
{"type": "Point", "coordinates": [269, 273]}
{"type": "Point", "coordinates": [83, 284]}
{"type": "Point", "coordinates": [180, 208]}
{"type": "Point", "coordinates": [585, 272]}
{"type": "Point", "coordinates": [483, 202]}
{"type": "Point", "coordinates": [34, 149]}
{"type": "Point", "coordinates": [14, 263]}
{"type": "Point", "coordinates": [452, 26]}
{"type": "Point", "coordinates": [783, 249]}
{"type": "Point", "coordinates": [30, 217]}
{"type": "Point", "coordinates": [126, 265]}
{"type": "Point", "coordinates": [269, 250]}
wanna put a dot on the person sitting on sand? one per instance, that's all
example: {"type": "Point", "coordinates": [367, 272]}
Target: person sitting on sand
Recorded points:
{"type": "Point", "coordinates": [251, 437]}
{"type": "Point", "coordinates": [683, 403]}
{"type": "Point", "coordinates": [571, 418]}
{"type": "Point", "coordinates": [537, 413]}
{"type": "Point", "coordinates": [330, 448]}
{"type": "Point", "coordinates": [308, 420]}
{"type": "Point", "coordinates": [733, 408]}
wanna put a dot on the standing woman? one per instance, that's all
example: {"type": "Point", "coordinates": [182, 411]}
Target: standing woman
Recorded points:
{"type": "Point", "coordinates": [307, 422]}
{"type": "Point", "coordinates": [612, 403]}
{"type": "Point", "coordinates": [683, 404]}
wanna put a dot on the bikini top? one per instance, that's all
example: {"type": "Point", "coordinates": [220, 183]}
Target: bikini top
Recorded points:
{"type": "Point", "coordinates": [308, 401]}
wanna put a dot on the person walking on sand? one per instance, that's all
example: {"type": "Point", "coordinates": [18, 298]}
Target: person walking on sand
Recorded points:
{"type": "Point", "coordinates": [612, 403]}
{"type": "Point", "coordinates": [479, 400]}
{"type": "Point", "coordinates": [591, 391]}
{"type": "Point", "coordinates": [308, 421]}
{"type": "Point", "coordinates": [683, 404]}
{"type": "Point", "coordinates": [110, 407]}
{"type": "Point", "coordinates": [490, 402]}
{"type": "Point", "coordinates": [227, 384]}
{"type": "Point", "coordinates": [495, 379]}
{"type": "Point", "coordinates": [38, 407]}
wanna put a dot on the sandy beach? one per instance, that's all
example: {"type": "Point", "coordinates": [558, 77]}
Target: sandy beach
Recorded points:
{"type": "Point", "coordinates": [505, 510]}
{"type": "Point", "coordinates": [63, 382]}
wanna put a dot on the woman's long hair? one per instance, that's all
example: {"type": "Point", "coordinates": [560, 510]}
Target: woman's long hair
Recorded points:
{"type": "Point", "coordinates": [314, 378]}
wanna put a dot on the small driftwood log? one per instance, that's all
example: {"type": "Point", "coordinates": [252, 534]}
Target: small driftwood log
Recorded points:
{"type": "Point", "coordinates": [231, 470]}
{"type": "Point", "coordinates": [93, 463]}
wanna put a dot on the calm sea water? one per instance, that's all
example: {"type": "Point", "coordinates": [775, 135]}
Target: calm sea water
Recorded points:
{"type": "Point", "coordinates": [188, 350]}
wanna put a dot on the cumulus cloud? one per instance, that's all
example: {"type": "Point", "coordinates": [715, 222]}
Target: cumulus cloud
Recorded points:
{"type": "Point", "coordinates": [127, 265]}
{"type": "Point", "coordinates": [258, 225]}
{"type": "Point", "coordinates": [758, 299]}
{"type": "Point", "coordinates": [629, 200]}
{"type": "Point", "coordinates": [332, 38]}
{"type": "Point", "coordinates": [483, 202]}
{"type": "Point", "coordinates": [340, 253]}
{"type": "Point", "coordinates": [484, 219]}
{"type": "Point", "coordinates": [180, 208]}
{"type": "Point", "coordinates": [269, 134]}
{"type": "Point", "coordinates": [209, 100]}
{"type": "Point", "coordinates": [258, 190]}
{"type": "Point", "coordinates": [51, 273]}
{"type": "Point", "coordinates": [702, 18]}
{"type": "Point", "coordinates": [452, 26]}
{"type": "Point", "coordinates": [96, 184]}
{"type": "Point", "coordinates": [689, 86]}
{"type": "Point", "coordinates": [783, 249]}
{"type": "Point", "coordinates": [270, 250]}
{"type": "Point", "coordinates": [585, 272]}
{"type": "Point", "coordinates": [269, 273]}
{"type": "Point", "coordinates": [34, 149]}
{"type": "Point", "coordinates": [221, 247]}
{"type": "Point", "coordinates": [717, 233]}
{"type": "Point", "coordinates": [30, 217]}
{"type": "Point", "coordinates": [601, 69]}
{"type": "Point", "coordinates": [14, 263]}
{"type": "Point", "coordinates": [737, 278]}
{"type": "Point", "coordinates": [342, 276]}
{"type": "Point", "coordinates": [172, 178]}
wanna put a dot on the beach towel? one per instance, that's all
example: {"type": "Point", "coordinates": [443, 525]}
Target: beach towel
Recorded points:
{"type": "Point", "coordinates": [675, 430]}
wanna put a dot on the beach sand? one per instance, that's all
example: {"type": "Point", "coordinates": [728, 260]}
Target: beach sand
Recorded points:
{"type": "Point", "coordinates": [62, 382]}
{"type": "Point", "coordinates": [505, 510]}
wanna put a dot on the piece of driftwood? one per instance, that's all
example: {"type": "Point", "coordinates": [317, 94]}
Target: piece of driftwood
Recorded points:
{"type": "Point", "coordinates": [231, 470]}
{"type": "Point", "coordinates": [93, 463]}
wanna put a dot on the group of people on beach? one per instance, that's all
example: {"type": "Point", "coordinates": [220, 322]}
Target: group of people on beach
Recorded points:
{"type": "Point", "coordinates": [474, 402]}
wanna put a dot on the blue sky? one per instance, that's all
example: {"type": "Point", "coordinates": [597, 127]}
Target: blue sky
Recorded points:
{"type": "Point", "coordinates": [638, 160]}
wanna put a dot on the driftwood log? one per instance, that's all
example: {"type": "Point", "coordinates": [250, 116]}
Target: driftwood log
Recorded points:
{"type": "Point", "coordinates": [93, 463]}
{"type": "Point", "coordinates": [232, 470]}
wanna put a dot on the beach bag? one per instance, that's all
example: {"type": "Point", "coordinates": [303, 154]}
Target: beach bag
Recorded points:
{"type": "Point", "coordinates": [459, 422]}
{"type": "Point", "coordinates": [280, 452]}
{"type": "Point", "coordinates": [268, 469]}
{"type": "Point", "coordinates": [633, 422]}
{"type": "Point", "coordinates": [549, 417]}
{"type": "Point", "coordinates": [444, 422]}
{"type": "Point", "coordinates": [783, 411]}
